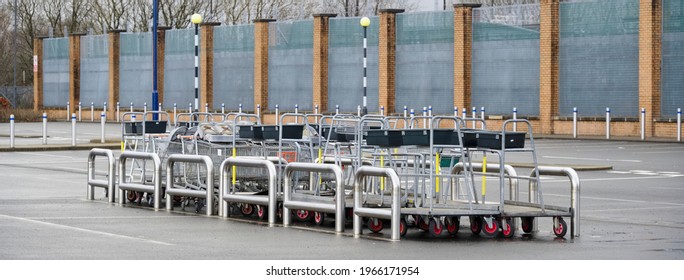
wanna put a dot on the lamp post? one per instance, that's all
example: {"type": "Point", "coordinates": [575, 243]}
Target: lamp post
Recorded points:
{"type": "Point", "coordinates": [196, 20]}
{"type": "Point", "coordinates": [155, 92]}
{"type": "Point", "coordinates": [365, 22]}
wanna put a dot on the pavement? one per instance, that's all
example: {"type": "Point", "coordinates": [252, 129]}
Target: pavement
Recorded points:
{"type": "Point", "coordinates": [631, 212]}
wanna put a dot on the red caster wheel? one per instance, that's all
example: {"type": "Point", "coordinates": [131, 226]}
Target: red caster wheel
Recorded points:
{"type": "Point", "coordinates": [452, 225]}
{"type": "Point", "coordinates": [319, 218]}
{"type": "Point", "coordinates": [247, 210]}
{"type": "Point", "coordinates": [509, 230]}
{"type": "Point", "coordinates": [262, 212]}
{"type": "Point", "coordinates": [560, 228]}
{"type": "Point", "coordinates": [490, 229]}
{"type": "Point", "coordinates": [421, 223]}
{"type": "Point", "coordinates": [475, 225]}
{"type": "Point", "coordinates": [403, 226]}
{"type": "Point", "coordinates": [302, 215]}
{"type": "Point", "coordinates": [375, 225]}
{"type": "Point", "coordinates": [527, 224]}
{"type": "Point", "coordinates": [131, 196]}
{"type": "Point", "coordinates": [436, 227]}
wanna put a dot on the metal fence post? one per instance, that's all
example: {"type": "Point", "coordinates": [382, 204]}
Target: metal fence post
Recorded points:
{"type": "Point", "coordinates": [607, 123]}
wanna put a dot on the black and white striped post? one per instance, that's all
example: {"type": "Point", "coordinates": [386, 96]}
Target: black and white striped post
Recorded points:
{"type": "Point", "coordinates": [365, 22]}
{"type": "Point", "coordinates": [196, 19]}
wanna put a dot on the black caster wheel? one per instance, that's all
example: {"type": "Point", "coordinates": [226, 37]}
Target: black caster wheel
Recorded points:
{"type": "Point", "coordinates": [476, 225]}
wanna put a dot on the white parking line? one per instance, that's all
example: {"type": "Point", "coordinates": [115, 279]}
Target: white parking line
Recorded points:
{"type": "Point", "coordinates": [619, 200]}
{"type": "Point", "coordinates": [631, 209]}
{"type": "Point", "coordinates": [86, 230]}
{"type": "Point", "coordinates": [593, 159]}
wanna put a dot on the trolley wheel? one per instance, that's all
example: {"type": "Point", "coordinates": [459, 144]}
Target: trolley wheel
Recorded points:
{"type": "Point", "coordinates": [131, 196]}
{"type": "Point", "coordinates": [247, 209]}
{"type": "Point", "coordinates": [476, 225]}
{"type": "Point", "coordinates": [319, 218]}
{"type": "Point", "coordinates": [375, 225]}
{"type": "Point", "coordinates": [403, 226]}
{"type": "Point", "coordinates": [561, 229]}
{"type": "Point", "coordinates": [491, 230]}
{"type": "Point", "coordinates": [199, 204]}
{"type": "Point", "coordinates": [421, 223]}
{"type": "Point", "coordinates": [509, 230]}
{"type": "Point", "coordinates": [262, 212]}
{"type": "Point", "coordinates": [302, 215]}
{"type": "Point", "coordinates": [527, 224]}
{"type": "Point", "coordinates": [436, 227]}
{"type": "Point", "coordinates": [452, 225]}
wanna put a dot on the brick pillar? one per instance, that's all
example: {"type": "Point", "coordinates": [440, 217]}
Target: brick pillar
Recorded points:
{"type": "Point", "coordinates": [161, 50]}
{"type": "Point", "coordinates": [463, 46]}
{"type": "Point", "coordinates": [261, 63]}
{"type": "Point", "coordinates": [38, 73]}
{"type": "Point", "coordinates": [114, 42]}
{"type": "Point", "coordinates": [321, 28]}
{"type": "Point", "coordinates": [206, 64]}
{"type": "Point", "coordinates": [387, 49]}
{"type": "Point", "coordinates": [549, 42]}
{"type": "Point", "coordinates": [650, 34]}
{"type": "Point", "coordinates": [74, 70]}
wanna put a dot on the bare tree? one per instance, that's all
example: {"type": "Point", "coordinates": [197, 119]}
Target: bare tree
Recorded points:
{"type": "Point", "coordinates": [111, 14]}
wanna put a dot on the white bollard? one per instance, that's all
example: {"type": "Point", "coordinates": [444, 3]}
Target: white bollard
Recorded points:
{"type": "Point", "coordinates": [515, 117]}
{"type": "Point", "coordinates": [464, 115]}
{"type": "Point", "coordinates": [92, 111]}
{"type": "Point", "coordinates": [175, 112]}
{"type": "Point", "coordinates": [316, 110]}
{"type": "Point", "coordinates": [45, 119]}
{"type": "Point", "coordinates": [382, 110]}
{"type": "Point", "coordinates": [643, 124]}
{"type": "Point", "coordinates": [424, 115]}
{"type": "Point", "coordinates": [118, 108]}
{"type": "Point", "coordinates": [296, 112]}
{"type": "Point", "coordinates": [358, 110]}
{"type": "Point", "coordinates": [277, 113]}
{"type": "Point", "coordinates": [430, 110]}
{"type": "Point", "coordinates": [189, 107]}
{"type": "Point", "coordinates": [259, 110]}
{"type": "Point", "coordinates": [103, 119]}
{"type": "Point", "coordinates": [679, 124]}
{"type": "Point", "coordinates": [131, 107]}
{"type": "Point", "coordinates": [206, 107]}
{"type": "Point", "coordinates": [104, 108]}
{"type": "Point", "coordinates": [412, 113]}
{"type": "Point", "coordinates": [474, 115]}
{"type": "Point", "coordinates": [223, 108]}
{"type": "Point", "coordinates": [482, 116]}
{"type": "Point", "coordinates": [337, 109]}
{"type": "Point", "coordinates": [574, 122]}
{"type": "Point", "coordinates": [80, 113]}
{"type": "Point", "coordinates": [11, 131]}
{"type": "Point", "coordinates": [145, 107]}
{"type": "Point", "coordinates": [607, 123]}
{"type": "Point", "coordinates": [160, 107]}
{"type": "Point", "coordinates": [68, 111]}
{"type": "Point", "coordinates": [73, 129]}
{"type": "Point", "coordinates": [405, 112]}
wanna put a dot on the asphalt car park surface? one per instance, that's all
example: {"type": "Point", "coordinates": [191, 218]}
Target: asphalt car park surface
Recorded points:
{"type": "Point", "coordinates": [633, 210]}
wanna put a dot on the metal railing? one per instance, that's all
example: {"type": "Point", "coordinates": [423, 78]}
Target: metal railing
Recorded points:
{"type": "Point", "coordinates": [509, 173]}
{"type": "Point", "coordinates": [111, 174]}
{"type": "Point", "coordinates": [156, 186]}
{"type": "Point", "coordinates": [207, 193]}
{"type": "Point", "coordinates": [335, 206]}
{"type": "Point", "coordinates": [227, 187]}
{"type": "Point", "coordinates": [574, 191]}
{"type": "Point", "coordinates": [393, 214]}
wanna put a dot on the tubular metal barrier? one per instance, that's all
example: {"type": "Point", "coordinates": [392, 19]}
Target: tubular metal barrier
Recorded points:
{"type": "Point", "coordinates": [227, 192]}
{"type": "Point", "coordinates": [207, 193]}
{"type": "Point", "coordinates": [574, 192]}
{"type": "Point", "coordinates": [509, 171]}
{"type": "Point", "coordinates": [111, 174]}
{"type": "Point", "coordinates": [129, 186]}
{"type": "Point", "coordinates": [394, 213]}
{"type": "Point", "coordinates": [324, 206]}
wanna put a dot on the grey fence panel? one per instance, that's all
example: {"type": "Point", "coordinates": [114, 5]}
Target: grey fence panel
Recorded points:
{"type": "Point", "coordinates": [672, 58]}
{"type": "Point", "coordinates": [94, 70]}
{"type": "Point", "coordinates": [135, 73]}
{"type": "Point", "coordinates": [179, 68]}
{"type": "Point", "coordinates": [345, 64]}
{"type": "Point", "coordinates": [234, 67]}
{"type": "Point", "coordinates": [424, 61]}
{"type": "Point", "coordinates": [505, 60]}
{"type": "Point", "coordinates": [290, 65]}
{"type": "Point", "coordinates": [599, 58]}
{"type": "Point", "coordinates": [55, 72]}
